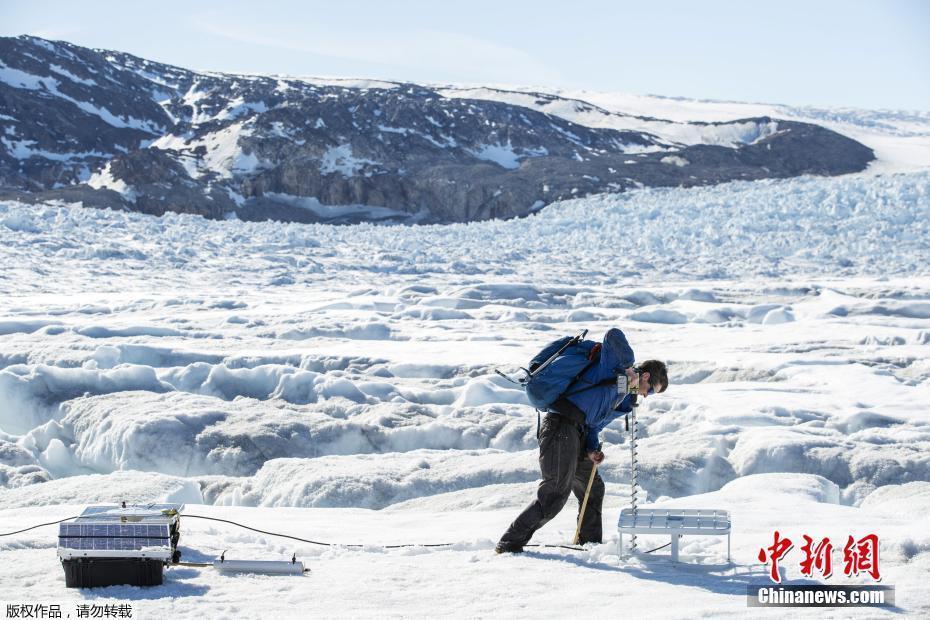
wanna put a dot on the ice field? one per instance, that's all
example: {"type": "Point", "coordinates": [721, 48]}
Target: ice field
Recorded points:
{"type": "Point", "coordinates": [337, 384]}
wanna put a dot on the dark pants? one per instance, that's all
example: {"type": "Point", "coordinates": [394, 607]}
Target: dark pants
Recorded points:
{"type": "Point", "coordinates": [566, 469]}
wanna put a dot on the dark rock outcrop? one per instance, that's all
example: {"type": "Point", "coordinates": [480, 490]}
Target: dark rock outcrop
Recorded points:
{"type": "Point", "coordinates": [112, 130]}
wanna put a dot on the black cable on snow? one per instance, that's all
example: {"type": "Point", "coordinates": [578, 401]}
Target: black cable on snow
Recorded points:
{"type": "Point", "coordinates": [40, 525]}
{"type": "Point", "coordinates": [657, 548]}
{"type": "Point", "coordinates": [316, 542]}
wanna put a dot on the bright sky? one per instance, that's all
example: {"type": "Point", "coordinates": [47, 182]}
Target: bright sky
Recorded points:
{"type": "Point", "coordinates": [870, 54]}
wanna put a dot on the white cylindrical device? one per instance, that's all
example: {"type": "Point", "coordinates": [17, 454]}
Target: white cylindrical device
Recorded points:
{"type": "Point", "coordinates": [259, 566]}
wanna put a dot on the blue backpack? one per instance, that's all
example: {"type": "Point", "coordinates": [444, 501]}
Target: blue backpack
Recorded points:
{"type": "Point", "coordinates": [555, 369]}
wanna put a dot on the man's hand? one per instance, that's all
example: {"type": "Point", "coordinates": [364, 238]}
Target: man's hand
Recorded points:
{"type": "Point", "coordinates": [632, 380]}
{"type": "Point", "coordinates": [597, 457]}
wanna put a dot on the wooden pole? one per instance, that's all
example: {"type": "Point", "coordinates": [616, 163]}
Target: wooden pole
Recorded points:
{"type": "Point", "coordinates": [584, 504]}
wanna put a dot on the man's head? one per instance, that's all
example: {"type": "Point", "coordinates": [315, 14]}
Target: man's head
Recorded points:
{"type": "Point", "coordinates": [653, 377]}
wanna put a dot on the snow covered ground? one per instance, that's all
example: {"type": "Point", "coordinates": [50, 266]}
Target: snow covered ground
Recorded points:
{"type": "Point", "coordinates": [336, 384]}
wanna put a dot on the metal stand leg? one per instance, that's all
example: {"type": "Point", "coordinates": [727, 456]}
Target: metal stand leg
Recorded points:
{"type": "Point", "coordinates": [674, 547]}
{"type": "Point", "coordinates": [728, 547]}
{"type": "Point", "coordinates": [620, 546]}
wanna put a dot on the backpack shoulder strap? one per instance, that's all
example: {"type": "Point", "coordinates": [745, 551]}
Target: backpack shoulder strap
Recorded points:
{"type": "Point", "coordinates": [594, 356]}
{"type": "Point", "coordinates": [604, 383]}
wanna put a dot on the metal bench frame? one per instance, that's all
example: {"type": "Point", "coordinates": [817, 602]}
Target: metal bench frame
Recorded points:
{"type": "Point", "coordinates": [675, 522]}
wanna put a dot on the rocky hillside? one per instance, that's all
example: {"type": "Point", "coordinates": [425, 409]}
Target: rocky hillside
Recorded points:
{"type": "Point", "coordinates": [113, 130]}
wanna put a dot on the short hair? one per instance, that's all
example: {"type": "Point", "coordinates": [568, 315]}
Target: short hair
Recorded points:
{"type": "Point", "coordinates": [658, 374]}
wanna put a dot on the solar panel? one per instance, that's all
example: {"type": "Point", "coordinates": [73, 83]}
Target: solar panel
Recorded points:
{"type": "Point", "coordinates": [114, 536]}
{"type": "Point", "coordinates": [125, 532]}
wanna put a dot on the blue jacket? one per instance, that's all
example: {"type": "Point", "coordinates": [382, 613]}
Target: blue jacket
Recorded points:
{"type": "Point", "coordinates": [600, 403]}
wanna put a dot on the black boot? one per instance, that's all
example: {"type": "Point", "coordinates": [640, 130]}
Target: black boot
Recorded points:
{"type": "Point", "coordinates": [508, 547]}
